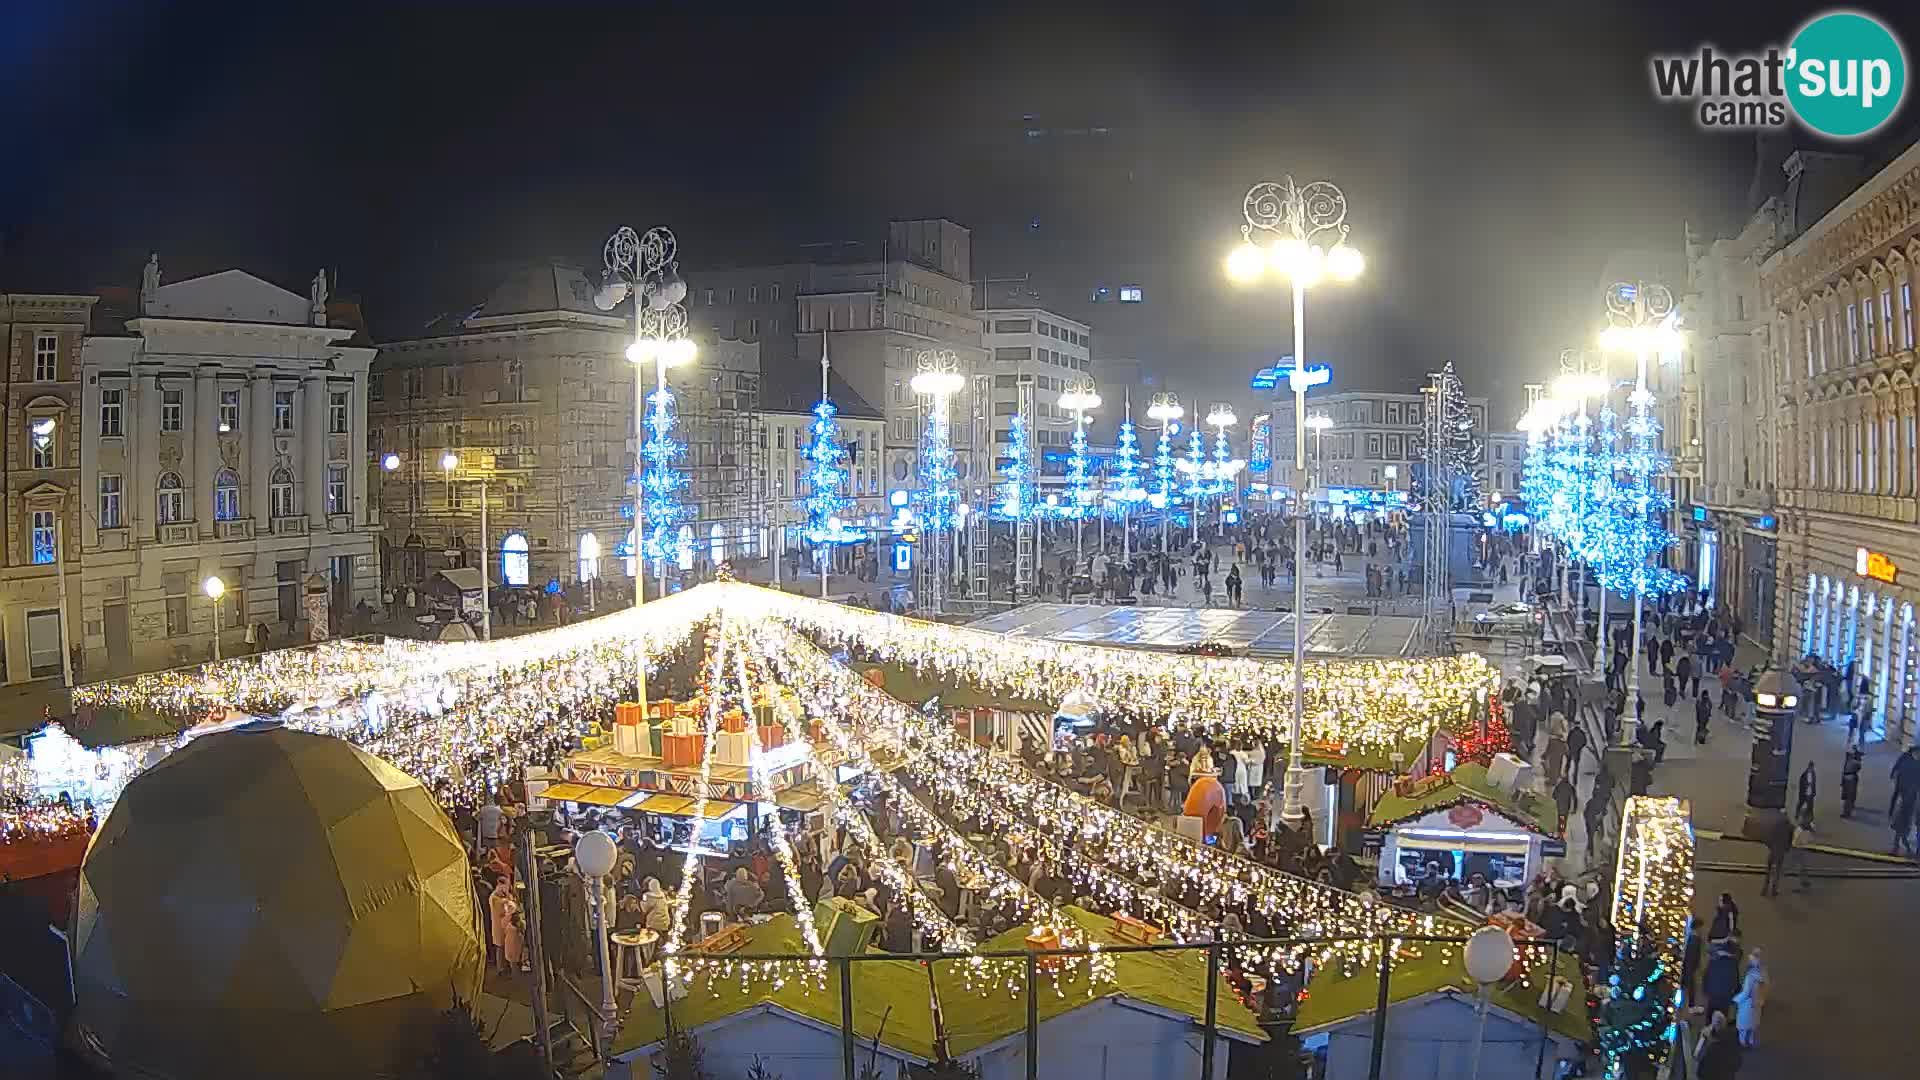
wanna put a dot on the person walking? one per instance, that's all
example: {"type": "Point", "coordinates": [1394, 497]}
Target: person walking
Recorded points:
{"type": "Point", "coordinates": [1576, 745]}
{"type": "Point", "coordinates": [1235, 585]}
{"type": "Point", "coordinates": [1779, 843]}
{"type": "Point", "coordinates": [1906, 778]}
{"type": "Point", "coordinates": [1690, 957]}
{"type": "Point", "coordinates": [1722, 981]}
{"type": "Point", "coordinates": [1564, 794]}
{"type": "Point", "coordinates": [1850, 780]}
{"type": "Point", "coordinates": [1702, 716]}
{"type": "Point", "coordinates": [1666, 654]}
{"type": "Point", "coordinates": [1752, 995]}
{"type": "Point", "coordinates": [1801, 851]}
{"type": "Point", "coordinates": [1129, 768]}
{"type": "Point", "coordinates": [1803, 806]}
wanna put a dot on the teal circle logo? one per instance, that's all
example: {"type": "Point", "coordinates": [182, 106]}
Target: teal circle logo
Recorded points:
{"type": "Point", "coordinates": [1846, 74]}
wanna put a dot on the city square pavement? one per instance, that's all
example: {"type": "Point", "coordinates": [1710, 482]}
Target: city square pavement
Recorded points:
{"type": "Point", "coordinates": [1841, 954]}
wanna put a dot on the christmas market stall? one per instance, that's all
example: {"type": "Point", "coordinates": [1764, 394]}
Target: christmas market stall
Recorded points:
{"type": "Point", "coordinates": [1467, 821]}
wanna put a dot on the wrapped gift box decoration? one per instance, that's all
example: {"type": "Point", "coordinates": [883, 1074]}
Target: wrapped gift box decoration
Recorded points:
{"type": "Point", "coordinates": [772, 735]}
{"type": "Point", "coordinates": [1047, 939]}
{"type": "Point", "coordinates": [733, 748]}
{"type": "Point", "coordinates": [654, 733]}
{"type": "Point", "coordinates": [685, 725]}
{"type": "Point", "coordinates": [661, 709]}
{"type": "Point", "coordinates": [626, 712]}
{"type": "Point", "coordinates": [845, 928]}
{"type": "Point", "coordinates": [683, 751]}
{"type": "Point", "coordinates": [734, 721]}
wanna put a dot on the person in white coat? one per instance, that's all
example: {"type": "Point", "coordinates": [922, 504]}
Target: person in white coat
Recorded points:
{"type": "Point", "coordinates": [1752, 995]}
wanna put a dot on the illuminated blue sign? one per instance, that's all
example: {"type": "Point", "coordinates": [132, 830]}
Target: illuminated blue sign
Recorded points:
{"type": "Point", "coordinates": [1699, 513]}
{"type": "Point", "coordinates": [1766, 522]}
{"type": "Point", "coordinates": [1266, 378]}
{"type": "Point", "coordinates": [1302, 379]}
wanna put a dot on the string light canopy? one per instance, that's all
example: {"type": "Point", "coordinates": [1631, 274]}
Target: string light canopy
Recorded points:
{"type": "Point", "coordinates": [1652, 901]}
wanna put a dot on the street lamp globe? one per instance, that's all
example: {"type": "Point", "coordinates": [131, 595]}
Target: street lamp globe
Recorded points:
{"type": "Point", "coordinates": [1080, 400]}
{"type": "Point", "coordinates": [1246, 263]}
{"type": "Point", "coordinates": [1319, 422]}
{"type": "Point", "coordinates": [449, 461]}
{"type": "Point", "coordinates": [1165, 407]}
{"type": "Point", "coordinates": [390, 462]}
{"type": "Point", "coordinates": [937, 384]}
{"type": "Point", "coordinates": [214, 588]}
{"type": "Point", "coordinates": [1222, 416]}
{"type": "Point", "coordinates": [594, 853]}
{"type": "Point", "coordinates": [679, 352]}
{"type": "Point", "coordinates": [1344, 263]}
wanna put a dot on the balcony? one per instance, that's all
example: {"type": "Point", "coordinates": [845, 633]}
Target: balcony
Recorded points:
{"type": "Point", "coordinates": [290, 526]}
{"type": "Point", "coordinates": [237, 529]}
{"type": "Point", "coordinates": [178, 533]}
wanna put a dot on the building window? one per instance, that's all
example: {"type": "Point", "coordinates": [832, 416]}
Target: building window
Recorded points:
{"type": "Point", "coordinates": [43, 536]}
{"type": "Point", "coordinates": [753, 328]}
{"type": "Point", "coordinates": [337, 411]}
{"type": "Point", "coordinates": [172, 408]}
{"type": "Point", "coordinates": [283, 410]}
{"type": "Point", "coordinates": [226, 496]}
{"type": "Point", "coordinates": [516, 379]}
{"type": "Point", "coordinates": [1821, 336]}
{"type": "Point", "coordinates": [1866, 319]}
{"type": "Point", "coordinates": [513, 559]}
{"type": "Point", "coordinates": [110, 501]}
{"type": "Point", "coordinates": [175, 586]}
{"type": "Point", "coordinates": [753, 294]}
{"type": "Point", "coordinates": [1906, 311]}
{"type": "Point", "coordinates": [1853, 333]}
{"type": "Point", "coordinates": [336, 489]}
{"type": "Point", "coordinates": [110, 402]}
{"type": "Point", "coordinates": [171, 499]}
{"type": "Point", "coordinates": [1810, 350]}
{"type": "Point", "coordinates": [46, 358]}
{"type": "Point", "coordinates": [729, 294]}
{"type": "Point", "coordinates": [40, 442]}
{"type": "Point", "coordinates": [229, 410]}
{"type": "Point", "coordinates": [280, 493]}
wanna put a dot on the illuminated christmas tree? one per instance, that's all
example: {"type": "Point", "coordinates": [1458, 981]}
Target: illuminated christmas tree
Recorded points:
{"type": "Point", "coordinates": [1016, 487]}
{"type": "Point", "coordinates": [1123, 475]}
{"type": "Point", "coordinates": [1079, 482]}
{"type": "Point", "coordinates": [827, 476]}
{"type": "Point", "coordinates": [663, 482]}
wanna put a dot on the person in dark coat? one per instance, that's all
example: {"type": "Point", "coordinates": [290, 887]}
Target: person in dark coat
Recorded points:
{"type": "Point", "coordinates": [1666, 654]}
{"type": "Point", "coordinates": [1726, 919]}
{"type": "Point", "coordinates": [1702, 716]}
{"type": "Point", "coordinates": [949, 885]}
{"type": "Point", "coordinates": [1563, 798]}
{"type": "Point", "coordinates": [1722, 979]}
{"type": "Point", "coordinates": [1685, 671]}
{"type": "Point", "coordinates": [1850, 781]}
{"type": "Point", "coordinates": [1779, 843]}
{"type": "Point", "coordinates": [1803, 806]}
{"type": "Point", "coordinates": [1690, 958]}
{"type": "Point", "coordinates": [1576, 744]}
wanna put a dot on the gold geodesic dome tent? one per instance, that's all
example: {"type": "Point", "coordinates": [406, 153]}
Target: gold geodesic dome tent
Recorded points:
{"type": "Point", "coordinates": [270, 903]}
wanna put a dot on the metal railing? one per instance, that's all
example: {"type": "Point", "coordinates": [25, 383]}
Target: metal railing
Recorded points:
{"type": "Point", "coordinates": [1546, 959]}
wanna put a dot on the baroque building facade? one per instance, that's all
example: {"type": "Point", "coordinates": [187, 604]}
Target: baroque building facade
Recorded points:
{"type": "Point", "coordinates": [1841, 298]}
{"type": "Point", "coordinates": [223, 434]}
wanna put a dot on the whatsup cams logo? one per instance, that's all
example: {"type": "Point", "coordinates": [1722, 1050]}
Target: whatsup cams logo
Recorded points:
{"type": "Point", "coordinates": [1843, 75]}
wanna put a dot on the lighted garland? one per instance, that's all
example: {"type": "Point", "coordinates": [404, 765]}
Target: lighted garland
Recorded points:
{"type": "Point", "coordinates": [1370, 705]}
{"type": "Point", "coordinates": [1306, 908]}
{"type": "Point", "coordinates": [1163, 469]}
{"type": "Point", "coordinates": [1080, 497]}
{"type": "Point", "coordinates": [1125, 470]}
{"type": "Point", "coordinates": [763, 793]}
{"type": "Point", "coordinates": [1016, 499]}
{"type": "Point", "coordinates": [674, 964]}
{"type": "Point", "coordinates": [1652, 901]}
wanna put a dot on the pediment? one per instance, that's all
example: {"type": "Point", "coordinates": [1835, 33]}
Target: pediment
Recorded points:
{"type": "Point", "coordinates": [230, 295]}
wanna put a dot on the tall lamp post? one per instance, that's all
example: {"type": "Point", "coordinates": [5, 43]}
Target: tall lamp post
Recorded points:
{"type": "Point", "coordinates": [937, 377]}
{"type": "Point", "coordinates": [1318, 423]}
{"type": "Point", "coordinates": [1221, 417]}
{"type": "Point", "coordinates": [595, 854]}
{"type": "Point", "coordinates": [1079, 401]}
{"type": "Point", "coordinates": [1292, 221]}
{"type": "Point", "coordinates": [215, 589]}
{"type": "Point", "coordinates": [647, 270]}
{"type": "Point", "coordinates": [1166, 411]}
{"type": "Point", "coordinates": [450, 461]}
{"type": "Point", "coordinates": [1572, 390]}
{"type": "Point", "coordinates": [1641, 320]}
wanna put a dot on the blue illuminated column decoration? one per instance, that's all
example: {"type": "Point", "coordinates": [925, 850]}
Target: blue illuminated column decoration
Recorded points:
{"type": "Point", "coordinates": [1124, 477]}
{"type": "Point", "coordinates": [1080, 497]}
{"type": "Point", "coordinates": [827, 478]}
{"type": "Point", "coordinates": [938, 378]}
{"type": "Point", "coordinates": [1642, 321]}
{"type": "Point", "coordinates": [1165, 411]}
{"type": "Point", "coordinates": [1260, 449]}
{"type": "Point", "coordinates": [1015, 497]}
{"type": "Point", "coordinates": [662, 479]}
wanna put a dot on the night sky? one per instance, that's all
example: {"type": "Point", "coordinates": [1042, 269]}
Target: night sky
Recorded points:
{"type": "Point", "coordinates": [1493, 155]}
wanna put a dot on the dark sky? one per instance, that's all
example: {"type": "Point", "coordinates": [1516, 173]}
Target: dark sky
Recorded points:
{"type": "Point", "coordinates": [1493, 155]}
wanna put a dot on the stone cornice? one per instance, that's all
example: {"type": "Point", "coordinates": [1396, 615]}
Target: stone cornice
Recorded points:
{"type": "Point", "coordinates": [1880, 215]}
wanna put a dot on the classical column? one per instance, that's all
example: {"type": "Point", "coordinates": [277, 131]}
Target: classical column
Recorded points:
{"type": "Point", "coordinates": [259, 421]}
{"type": "Point", "coordinates": [313, 448]}
{"type": "Point", "coordinates": [145, 440]}
{"type": "Point", "coordinates": [205, 426]}
{"type": "Point", "coordinates": [357, 462]}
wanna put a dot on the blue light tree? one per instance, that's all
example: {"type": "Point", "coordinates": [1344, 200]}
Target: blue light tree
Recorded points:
{"type": "Point", "coordinates": [1163, 470]}
{"type": "Point", "coordinates": [1195, 466]}
{"type": "Point", "coordinates": [1079, 482]}
{"type": "Point", "coordinates": [1634, 534]}
{"type": "Point", "coordinates": [1124, 472]}
{"type": "Point", "coordinates": [1222, 462]}
{"type": "Point", "coordinates": [662, 480]}
{"type": "Point", "coordinates": [827, 478]}
{"type": "Point", "coordinates": [1015, 497]}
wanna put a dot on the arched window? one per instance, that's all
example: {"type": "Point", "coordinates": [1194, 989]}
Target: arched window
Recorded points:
{"type": "Point", "coordinates": [589, 557]}
{"type": "Point", "coordinates": [685, 547]}
{"type": "Point", "coordinates": [172, 501]}
{"type": "Point", "coordinates": [717, 536]}
{"type": "Point", "coordinates": [226, 496]}
{"type": "Point", "coordinates": [280, 490]}
{"type": "Point", "coordinates": [513, 559]}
